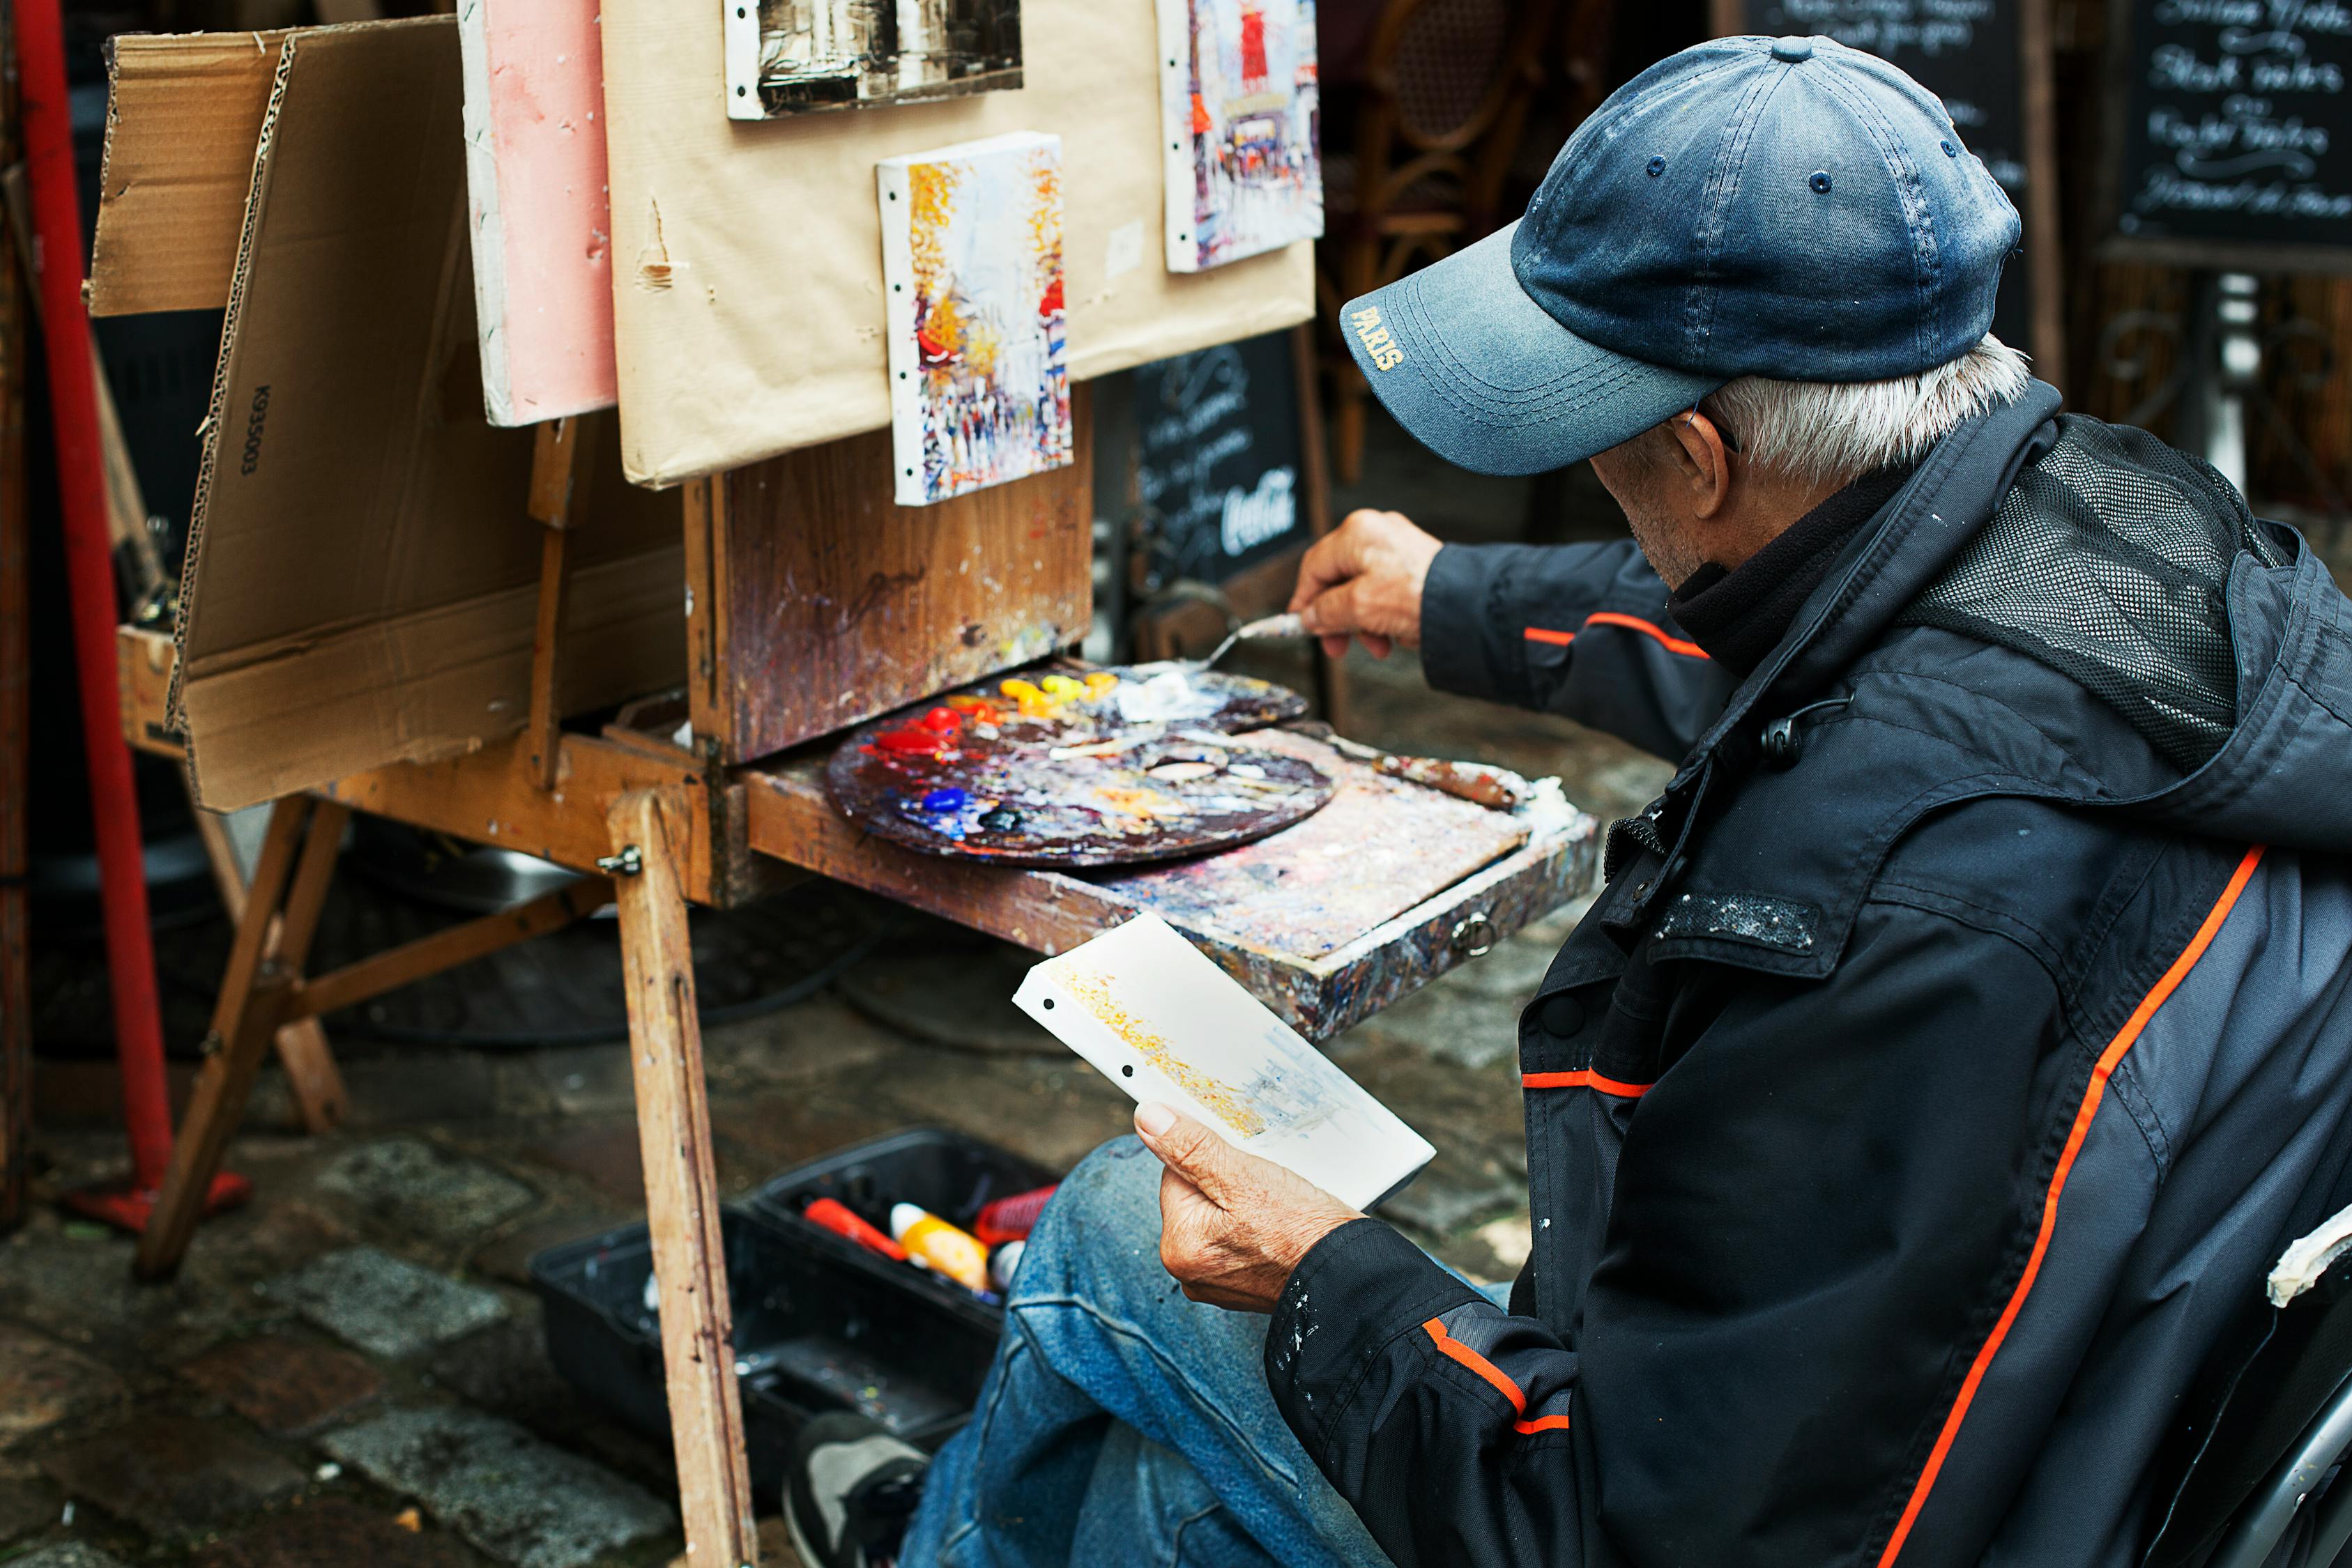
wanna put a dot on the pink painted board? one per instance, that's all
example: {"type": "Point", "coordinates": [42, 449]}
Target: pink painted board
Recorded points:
{"type": "Point", "coordinates": [537, 205]}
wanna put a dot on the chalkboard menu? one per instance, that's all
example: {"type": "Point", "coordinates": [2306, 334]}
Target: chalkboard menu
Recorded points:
{"type": "Point", "coordinates": [1218, 468]}
{"type": "Point", "coordinates": [1971, 53]}
{"type": "Point", "coordinates": [2234, 132]}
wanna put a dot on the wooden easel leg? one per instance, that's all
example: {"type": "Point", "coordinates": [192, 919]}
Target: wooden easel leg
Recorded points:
{"type": "Point", "coordinates": [681, 1190]}
{"type": "Point", "coordinates": [303, 1053]}
{"type": "Point", "coordinates": [244, 1018]}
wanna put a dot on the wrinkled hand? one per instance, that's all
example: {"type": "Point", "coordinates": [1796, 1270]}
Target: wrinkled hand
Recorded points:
{"type": "Point", "coordinates": [1232, 1225]}
{"type": "Point", "coordinates": [1364, 577]}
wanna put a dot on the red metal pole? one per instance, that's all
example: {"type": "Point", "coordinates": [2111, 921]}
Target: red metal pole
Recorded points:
{"type": "Point", "coordinates": [81, 485]}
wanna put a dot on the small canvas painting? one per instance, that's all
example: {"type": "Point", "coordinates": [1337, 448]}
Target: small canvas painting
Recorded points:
{"type": "Point", "coordinates": [972, 255]}
{"type": "Point", "coordinates": [795, 57]}
{"type": "Point", "coordinates": [1241, 120]}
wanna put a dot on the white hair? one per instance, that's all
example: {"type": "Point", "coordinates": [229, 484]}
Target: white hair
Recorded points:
{"type": "Point", "coordinates": [1835, 432]}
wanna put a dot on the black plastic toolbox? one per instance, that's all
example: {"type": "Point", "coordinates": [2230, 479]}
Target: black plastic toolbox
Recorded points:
{"type": "Point", "coordinates": [945, 1172]}
{"type": "Point", "coordinates": [812, 1335]}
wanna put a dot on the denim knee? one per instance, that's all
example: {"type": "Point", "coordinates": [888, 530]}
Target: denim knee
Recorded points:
{"type": "Point", "coordinates": [1100, 1235]}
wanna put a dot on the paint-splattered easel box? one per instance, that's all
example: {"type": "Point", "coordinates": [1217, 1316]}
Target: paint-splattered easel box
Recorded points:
{"type": "Point", "coordinates": [972, 255]}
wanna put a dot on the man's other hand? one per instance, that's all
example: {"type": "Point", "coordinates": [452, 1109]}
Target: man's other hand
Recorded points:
{"type": "Point", "coordinates": [1232, 1225]}
{"type": "Point", "coordinates": [1364, 579]}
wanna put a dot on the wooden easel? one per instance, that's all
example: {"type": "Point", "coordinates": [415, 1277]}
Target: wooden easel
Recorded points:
{"type": "Point", "coordinates": [657, 825]}
{"type": "Point", "coordinates": [268, 991]}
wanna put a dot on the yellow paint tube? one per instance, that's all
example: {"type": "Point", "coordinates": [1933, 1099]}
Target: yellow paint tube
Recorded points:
{"type": "Point", "coordinates": [939, 1246]}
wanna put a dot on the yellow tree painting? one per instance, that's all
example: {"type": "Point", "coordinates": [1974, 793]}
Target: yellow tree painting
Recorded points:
{"type": "Point", "coordinates": [971, 241]}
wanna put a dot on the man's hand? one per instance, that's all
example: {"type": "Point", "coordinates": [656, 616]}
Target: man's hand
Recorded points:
{"type": "Point", "coordinates": [1364, 577]}
{"type": "Point", "coordinates": [1232, 1225]}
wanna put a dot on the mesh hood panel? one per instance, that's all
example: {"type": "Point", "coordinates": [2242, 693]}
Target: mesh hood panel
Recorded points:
{"type": "Point", "coordinates": [2109, 561]}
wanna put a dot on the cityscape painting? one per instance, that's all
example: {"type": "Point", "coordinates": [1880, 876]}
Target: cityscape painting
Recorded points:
{"type": "Point", "coordinates": [1240, 112]}
{"type": "Point", "coordinates": [971, 261]}
{"type": "Point", "coordinates": [795, 57]}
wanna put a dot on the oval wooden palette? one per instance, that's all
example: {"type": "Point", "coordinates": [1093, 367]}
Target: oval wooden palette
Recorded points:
{"type": "Point", "coordinates": [1079, 768]}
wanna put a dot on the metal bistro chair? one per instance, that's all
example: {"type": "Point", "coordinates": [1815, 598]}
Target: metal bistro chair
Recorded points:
{"type": "Point", "coordinates": [2261, 1481]}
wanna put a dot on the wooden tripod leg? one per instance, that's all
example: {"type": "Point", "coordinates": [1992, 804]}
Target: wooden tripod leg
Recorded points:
{"type": "Point", "coordinates": [244, 1018]}
{"type": "Point", "coordinates": [706, 1414]}
{"type": "Point", "coordinates": [303, 1053]}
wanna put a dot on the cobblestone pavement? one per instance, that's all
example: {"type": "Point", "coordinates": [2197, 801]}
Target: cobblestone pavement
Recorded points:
{"type": "Point", "coordinates": [350, 1371]}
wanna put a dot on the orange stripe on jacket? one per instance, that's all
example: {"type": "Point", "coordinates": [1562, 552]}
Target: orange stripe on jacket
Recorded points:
{"type": "Point", "coordinates": [1585, 1078]}
{"type": "Point", "coordinates": [1455, 1350]}
{"type": "Point", "coordinates": [1611, 618]}
{"type": "Point", "coordinates": [2105, 1069]}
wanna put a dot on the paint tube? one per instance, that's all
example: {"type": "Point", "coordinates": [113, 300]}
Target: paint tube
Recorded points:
{"type": "Point", "coordinates": [1003, 1262]}
{"type": "Point", "coordinates": [840, 1220]}
{"type": "Point", "coordinates": [1012, 1219]}
{"type": "Point", "coordinates": [939, 1247]}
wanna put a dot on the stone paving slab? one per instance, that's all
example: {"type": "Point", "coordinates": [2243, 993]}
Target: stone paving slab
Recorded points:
{"type": "Point", "coordinates": [333, 1533]}
{"type": "Point", "coordinates": [284, 1386]}
{"type": "Point", "coordinates": [171, 1476]}
{"type": "Point", "coordinates": [384, 1305]}
{"type": "Point", "coordinates": [43, 1382]}
{"type": "Point", "coordinates": [519, 1499]}
{"type": "Point", "coordinates": [66, 1555]}
{"type": "Point", "coordinates": [417, 1188]}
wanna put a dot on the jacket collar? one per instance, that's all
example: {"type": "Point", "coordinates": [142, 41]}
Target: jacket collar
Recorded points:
{"type": "Point", "coordinates": [1949, 499]}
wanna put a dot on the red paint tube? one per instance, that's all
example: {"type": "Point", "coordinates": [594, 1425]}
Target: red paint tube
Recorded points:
{"type": "Point", "coordinates": [837, 1218]}
{"type": "Point", "coordinates": [1012, 1219]}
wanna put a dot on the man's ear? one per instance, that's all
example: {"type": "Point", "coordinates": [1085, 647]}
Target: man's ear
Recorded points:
{"type": "Point", "coordinates": [1703, 460]}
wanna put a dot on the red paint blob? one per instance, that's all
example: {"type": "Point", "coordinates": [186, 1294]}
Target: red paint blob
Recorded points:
{"type": "Point", "coordinates": [941, 720]}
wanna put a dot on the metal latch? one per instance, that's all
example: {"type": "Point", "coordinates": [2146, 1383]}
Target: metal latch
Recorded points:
{"type": "Point", "coordinates": [628, 862]}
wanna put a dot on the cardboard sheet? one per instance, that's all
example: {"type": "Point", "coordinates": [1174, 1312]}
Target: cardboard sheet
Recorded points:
{"type": "Point", "coordinates": [360, 576]}
{"type": "Point", "coordinates": [748, 259]}
{"type": "Point", "coordinates": [535, 198]}
{"type": "Point", "coordinates": [182, 112]}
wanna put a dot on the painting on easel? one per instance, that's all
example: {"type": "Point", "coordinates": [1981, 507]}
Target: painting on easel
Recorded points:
{"type": "Point", "coordinates": [1240, 113]}
{"type": "Point", "coordinates": [971, 255]}
{"type": "Point", "coordinates": [797, 57]}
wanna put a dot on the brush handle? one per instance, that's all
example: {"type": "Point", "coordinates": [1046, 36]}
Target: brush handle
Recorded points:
{"type": "Point", "coordinates": [1273, 626]}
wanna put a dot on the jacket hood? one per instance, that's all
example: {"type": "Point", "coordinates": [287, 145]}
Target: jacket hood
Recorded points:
{"type": "Point", "coordinates": [2137, 572]}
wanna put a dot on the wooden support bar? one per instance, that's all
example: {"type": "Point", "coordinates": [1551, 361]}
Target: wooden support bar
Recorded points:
{"type": "Point", "coordinates": [558, 465]}
{"type": "Point", "coordinates": [244, 1018]}
{"type": "Point", "coordinates": [397, 966]}
{"type": "Point", "coordinates": [303, 1054]}
{"type": "Point", "coordinates": [681, 1189]}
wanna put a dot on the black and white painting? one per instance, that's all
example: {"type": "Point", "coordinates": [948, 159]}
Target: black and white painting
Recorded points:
{"type": "Point", "coordinates": [800, 57]}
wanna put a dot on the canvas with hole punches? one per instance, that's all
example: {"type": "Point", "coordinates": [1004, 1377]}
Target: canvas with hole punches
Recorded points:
{"type": "Point", "coordinates": [1240, 117]}
{"type": "Point", "coordinates": [972, 264]}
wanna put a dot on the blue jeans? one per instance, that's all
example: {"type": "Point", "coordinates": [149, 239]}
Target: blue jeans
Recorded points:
{"type": "Point", "coordinates": [1121, 1423]}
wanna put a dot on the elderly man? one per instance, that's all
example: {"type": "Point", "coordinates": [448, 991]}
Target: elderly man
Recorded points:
{"type": "Point", "coordinates": [1956, 1041]}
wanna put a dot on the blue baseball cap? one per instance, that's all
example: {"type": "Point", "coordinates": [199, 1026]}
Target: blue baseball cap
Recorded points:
{"type": "Point", "coordinates": [1782, 207]}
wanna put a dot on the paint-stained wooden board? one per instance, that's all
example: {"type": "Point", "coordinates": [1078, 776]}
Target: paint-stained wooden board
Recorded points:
{"type": "Point", "coordinates": [815, 603]}
{"type": "Point", "coordinates": [1382, 846]}
{"type": "Point", "coordinates": [1050, 911]}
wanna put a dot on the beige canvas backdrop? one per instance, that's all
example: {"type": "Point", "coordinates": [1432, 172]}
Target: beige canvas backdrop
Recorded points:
{"type": "Point", "coordinates": [747, 280]}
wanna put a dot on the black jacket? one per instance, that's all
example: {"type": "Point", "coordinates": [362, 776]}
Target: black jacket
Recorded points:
{"type": "Point", "coordinates": [1932, 1080]}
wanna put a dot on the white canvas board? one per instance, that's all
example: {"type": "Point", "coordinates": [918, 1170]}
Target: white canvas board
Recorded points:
{"type": "Point", "coordinates": [1240, 110]}
{"type": "Point", "coordinates": [971, 261]}
{"type": "Point", "coordinates": [1153, 1014]}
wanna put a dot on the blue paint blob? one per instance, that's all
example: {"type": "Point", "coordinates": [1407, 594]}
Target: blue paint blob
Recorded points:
{"type": "Point", "coordinates": [944, 801]}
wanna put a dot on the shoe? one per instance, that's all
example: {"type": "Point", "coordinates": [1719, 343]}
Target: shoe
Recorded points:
{"type": "Point", "coordinates": [850, 1491]}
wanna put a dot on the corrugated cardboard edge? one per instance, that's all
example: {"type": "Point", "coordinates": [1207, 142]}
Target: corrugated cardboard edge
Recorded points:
{"type": "Point", "coordinates": [215, 410]}
{"type": "Point", "coordinates": [124, 280]}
